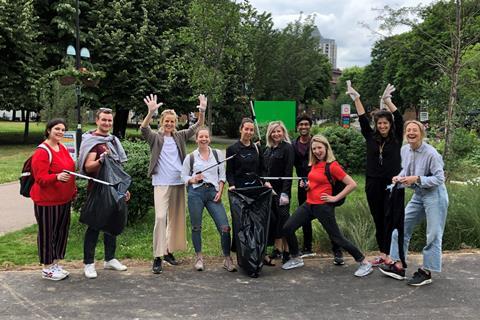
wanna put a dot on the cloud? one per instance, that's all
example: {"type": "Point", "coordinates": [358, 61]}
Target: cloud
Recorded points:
{"type": "Point", "coordinates": [337, 19]}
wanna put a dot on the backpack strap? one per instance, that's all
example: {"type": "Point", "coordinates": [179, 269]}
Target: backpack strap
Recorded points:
{"type": "Point", "coordinates": [44, 147]}
{"type": "Point", "coordinates": [328, 174]}
{"type": "Point", "coordinates": [215, 154]}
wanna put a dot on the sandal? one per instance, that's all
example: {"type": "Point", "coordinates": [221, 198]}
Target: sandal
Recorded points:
{"type": "Point", "coordinates": [228, 265]}
{"type": "Point", "coordinates": [268, 261]}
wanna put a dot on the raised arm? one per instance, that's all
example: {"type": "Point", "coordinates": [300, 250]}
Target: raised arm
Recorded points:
{"type": "Point", "coordinates": [355, 97]}
{"type": "Point", "coordinates": [151, 102]}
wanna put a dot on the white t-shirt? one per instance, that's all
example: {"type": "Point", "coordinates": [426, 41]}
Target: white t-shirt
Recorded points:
{"type": "Point", "coordinates": [169, 165]}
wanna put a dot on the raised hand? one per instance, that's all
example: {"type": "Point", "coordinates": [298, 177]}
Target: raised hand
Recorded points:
{"type": "Point", "coordinates": [387, 93]}
{"type": "Point", "coordinates": [202, 99]}
{"type": "Point", "coordinates": [151, 102]}
{"type": "Point", "coordinates": [352, 92]}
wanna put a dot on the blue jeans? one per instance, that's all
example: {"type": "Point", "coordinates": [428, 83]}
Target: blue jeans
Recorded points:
{"type": "Point", "coordinates": [199, 198]}
{"type": "Point", "coordinates": [430, 204]}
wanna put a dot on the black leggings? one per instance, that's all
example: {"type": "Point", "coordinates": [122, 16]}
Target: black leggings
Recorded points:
{"type": "Point", "coordinates": [375, 188]}
{"type": "Point", "coordinates": [326, 216]}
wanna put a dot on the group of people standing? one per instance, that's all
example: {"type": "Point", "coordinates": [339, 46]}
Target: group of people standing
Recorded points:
{"type": "Point", "coordinates": [202, 174]}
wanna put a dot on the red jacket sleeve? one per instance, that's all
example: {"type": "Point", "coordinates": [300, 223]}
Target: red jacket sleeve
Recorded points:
{"type": "Point", "coordinates": [41, 168]}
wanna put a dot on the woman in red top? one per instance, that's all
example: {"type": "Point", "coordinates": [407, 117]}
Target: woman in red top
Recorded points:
{"type": "Point", "coordinates": [319, 195]}
{"type": "Point", "coordinates": [52, 194]}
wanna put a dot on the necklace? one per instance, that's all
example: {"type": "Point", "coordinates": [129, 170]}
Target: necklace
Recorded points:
{"type": "Point", "coordinates": [380, 154]}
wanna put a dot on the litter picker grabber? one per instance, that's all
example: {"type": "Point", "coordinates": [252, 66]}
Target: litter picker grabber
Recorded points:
{"type": "Point", "coordinates": [89, 178]}
{"type": "Point", "coordinates": [214, 165]}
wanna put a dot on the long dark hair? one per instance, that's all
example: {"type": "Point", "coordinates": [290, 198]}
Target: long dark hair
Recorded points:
{"type": "Point", "coordinates": [387, 115]}
{"type": "Point", "coordinates": [52, 123]}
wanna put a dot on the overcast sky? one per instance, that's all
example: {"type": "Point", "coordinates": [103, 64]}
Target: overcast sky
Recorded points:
{"type": "Point", "coordinates": [336, 19]}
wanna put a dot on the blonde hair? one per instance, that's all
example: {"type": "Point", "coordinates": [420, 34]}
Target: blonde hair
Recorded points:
{"type": "Point", "coordinates": [200, 129]}
{"type": "Point", "coordinates": [272, 126]}
{"type": "Point", "coordinates": [329, 157]}
{"type": "Point", "coordinates": [163, 115]}
{"type": "Point", "coordinates": [423, 131]}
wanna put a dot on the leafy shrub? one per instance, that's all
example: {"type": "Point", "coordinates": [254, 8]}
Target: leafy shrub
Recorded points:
{"type": "Point", "coordinates": [463, 142]}
{"type": "Point", "coordinates": [138, 153]}
{"type": "Point", "coordinates": [348, 146]}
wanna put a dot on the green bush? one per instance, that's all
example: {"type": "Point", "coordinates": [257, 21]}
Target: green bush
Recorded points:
{"type": "Point", "coordinates": [348, 146]}
{"type": "Point", "coordinates": [141, 189]}
{"type": "Point", "coordinates": [463, 142]}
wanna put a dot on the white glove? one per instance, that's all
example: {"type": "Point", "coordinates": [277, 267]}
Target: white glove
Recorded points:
{"type": "Point", "coordinates": [203, 103]}
{"type": "Point", "coordinates": [284, 200]}
{"type": "Point", "coordinates": [387, 94]}
{"type": "Point", "coordinates": [352, 92]}
{"type": "Point", "coordinates": [382, 105]}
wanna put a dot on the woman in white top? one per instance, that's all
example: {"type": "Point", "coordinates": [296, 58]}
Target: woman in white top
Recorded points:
{"type": "Point", "coordinates": [205, 190]}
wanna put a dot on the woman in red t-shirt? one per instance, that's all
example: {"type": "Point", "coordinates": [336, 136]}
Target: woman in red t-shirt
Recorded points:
{"type": "Point", "coordinates": [52, 194]}
{"type": "Point", "coordinates": [319, 195]}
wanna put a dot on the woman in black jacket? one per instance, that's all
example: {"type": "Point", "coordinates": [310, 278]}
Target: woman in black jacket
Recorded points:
{"type": "Point", "coordinates": [278, 160]}
{"type": "Point", "coordinates": [383, 160]}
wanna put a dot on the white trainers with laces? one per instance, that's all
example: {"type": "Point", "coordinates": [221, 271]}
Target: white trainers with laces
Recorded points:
{"type": "Point", "coordinates": [90, 271]}
{"type": "Point", "coordinates": [199, 264]}
{"type": "Point", "coordinates": [60, 268]}
{"type": "Point", "coordinates": [114, 264]}
{"type": "Point", "coordinates": [53, 273]}
{"type": "Point", "coordinates": [364, 269]}
{"type": "Point", "coordinates": [293, 263]}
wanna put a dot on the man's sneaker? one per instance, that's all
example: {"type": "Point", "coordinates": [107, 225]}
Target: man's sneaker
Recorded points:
{"type": "Point", "coordinates": [338, 259]}
{"type": "Point", "coordinates": [307, 253]}
{"type": "Point", "coordinates": [114, 264]}
{"type": "Point", "coordinates": [170, 259]}
{"type": "Point", "coordinates": [157, 265]}
{"type": "Point", "coordinates": [364, 270]}
{"type": "Point", "coordinates": [60, 268]}
{"type": "Point", "coordinates": [53, 273]}
{"type": "Point", "coordinates": [377, 261]}
{"type": "Point", "coordinates": [420, 278]}
{"type": "Point", "coordinates": [293, 263]}
{"type": "Point", "coordinates": [199, 264]}
{"type": "Point", "coordinates": [90, 271]}
{"type": "Point", "coordinates": [391, 270]}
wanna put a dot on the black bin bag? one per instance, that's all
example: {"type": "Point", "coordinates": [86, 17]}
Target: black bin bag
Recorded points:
{"type": "Point", "coordinates": [250, 208]}
{"type": "Point", "coordinates": [106, 208]}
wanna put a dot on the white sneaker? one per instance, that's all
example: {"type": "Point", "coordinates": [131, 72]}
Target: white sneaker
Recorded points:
{"type": "Point", "coordinates": [364, 269]}
{"type": "Point", "coordinates": [114, 264]}
{"type": "Point", "coordinates": [53, 273]}
{"type": "Point", "coordinates": [90, 271]}
{"type": "Point", "coordinates": [293, 263]}
{"type": "Point", "coordinates": [60, 268]}
{"type": "Point", "coordinates": [199, 264]}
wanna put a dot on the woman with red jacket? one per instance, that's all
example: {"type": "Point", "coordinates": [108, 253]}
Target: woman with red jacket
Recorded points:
{"type": "Point", "coordinates": [52, 194]}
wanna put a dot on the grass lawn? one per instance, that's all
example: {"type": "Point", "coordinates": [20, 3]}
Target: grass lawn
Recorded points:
{"type": "Point", "coordinates": [12, 158]}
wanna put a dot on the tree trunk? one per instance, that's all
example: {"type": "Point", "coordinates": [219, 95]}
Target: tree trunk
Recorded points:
{"type": "Point", "coordinates": [27, 123]}
{"type": "Point", "coordinates": [120, 123]}
{"type": "Point", "coordinates": [452, 100]}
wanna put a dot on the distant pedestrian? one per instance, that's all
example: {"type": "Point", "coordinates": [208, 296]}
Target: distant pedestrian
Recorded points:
{"type": "Point", "coordinates": [52, 194]}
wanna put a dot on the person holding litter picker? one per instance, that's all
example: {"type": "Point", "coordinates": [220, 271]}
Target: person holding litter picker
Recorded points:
{"type": "Point", "coordinates": [278, 157]}
{"type": "Point", "coordinates": [168, 148]}
{"type": "Point", "coordinates": [96, 144]}
{"type": "Point", "coordinates": [204, 175]}
{"type": "Point", "coordinates": [318, 205]}
{"type": "Point", "coordinates": [383, 161]}
{"type": "Point", "coordinates": [52, 194]}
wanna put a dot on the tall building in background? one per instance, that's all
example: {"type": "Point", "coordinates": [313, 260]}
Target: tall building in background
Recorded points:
{"type": "Point", "coordinates": [328, 47]}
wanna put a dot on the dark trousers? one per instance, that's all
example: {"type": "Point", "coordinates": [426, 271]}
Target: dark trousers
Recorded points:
{"type": "Point", "coordinates": [278, 216]}
{"type": "Point", "coordinates": [307, 226]}
{"type": "Point", "coordinates": [90, 243]}
{"type": "Point", "coordinates": [53, 226]}
{"type": "Point", "coordinates": [326, 216]}
{"type": "Point", "coordinates": [377, 197]}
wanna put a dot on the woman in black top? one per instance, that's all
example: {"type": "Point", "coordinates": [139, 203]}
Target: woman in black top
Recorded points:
{"type": "Point", "coordinates": [383, 160]}
{"type": "Point", "coordinates": [278, 159]}
{"type": "Point", "coordinates": [246, 167]}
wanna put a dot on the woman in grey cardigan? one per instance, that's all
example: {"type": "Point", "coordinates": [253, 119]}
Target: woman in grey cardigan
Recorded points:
{"type": "Point", "coordinates": [168, 147]}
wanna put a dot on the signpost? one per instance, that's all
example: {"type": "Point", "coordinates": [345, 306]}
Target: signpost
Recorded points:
{"type": "Point", "coordinates": [70, 142]}
{"type": "Point", "coordinates": [345, 111]}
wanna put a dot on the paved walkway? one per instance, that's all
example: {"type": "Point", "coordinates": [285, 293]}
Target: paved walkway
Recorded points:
{"type": "Point", "coordinates": [320, 290]}
{"type": "Point", "coordinates": [16, 211]}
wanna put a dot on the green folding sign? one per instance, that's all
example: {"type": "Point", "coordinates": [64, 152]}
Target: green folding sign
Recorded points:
{"type": "Point", "coordinates": [286, 111]}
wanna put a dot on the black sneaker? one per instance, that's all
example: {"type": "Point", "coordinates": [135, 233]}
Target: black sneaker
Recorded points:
{"type": "Point", "coordinates": [338, 259]}
{"type": "Point", "coordinates": [420, 278]}
{"type": "Point", "coordinates": [157, 265]}
{"type": "Point", "coordinates": [170, 259]}
{"type": "Point", "coordinates": [391, 270]}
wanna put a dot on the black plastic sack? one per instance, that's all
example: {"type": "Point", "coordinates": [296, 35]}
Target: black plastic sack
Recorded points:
{"type": "Point", "coordinates": [106, 208]}
{"type": "Point", "coordinates": [250, 208]}
{"type": "Point", "coordinates": [395, 217]}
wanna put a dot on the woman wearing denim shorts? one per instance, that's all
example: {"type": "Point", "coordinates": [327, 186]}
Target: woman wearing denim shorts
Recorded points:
{"type": "Point", "coordinates": [205, 190]}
